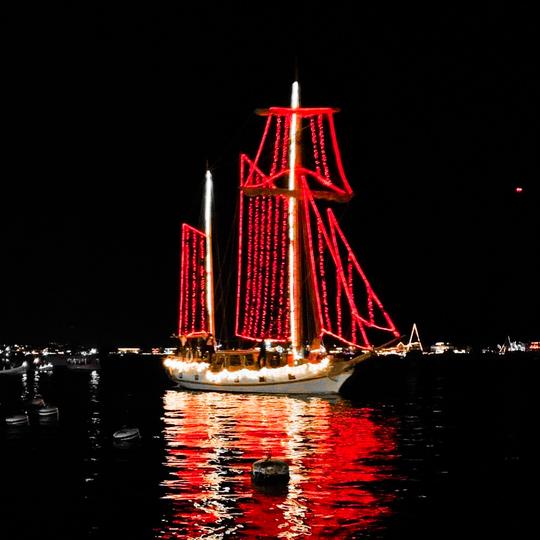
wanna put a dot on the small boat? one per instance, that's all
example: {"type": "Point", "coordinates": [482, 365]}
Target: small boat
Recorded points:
{"type": "Point", "coordinates": [83, 363]}
{"type": "Point", "coordinates": [17, 420]}
{"type": "Point", "coordinates": [11, 369]}
{"type": "Point", "coordinates": [48, 411]}
{"type": "Point", "coordinates": [126, 434]}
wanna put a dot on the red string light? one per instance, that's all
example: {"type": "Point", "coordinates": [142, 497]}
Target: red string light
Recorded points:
{"type": "Point", "coordinates": [323, 149]}
{"type": "Point", "coordinates": [249, 270]}
{"type": "Point", "coordinates": [193, 309]}
{"type": "Point", "coordinates": [239, 265]}
{"type": "Point", "coordinates": [315, 145]}
{"type": "Point", "coordinates": [311, 252]}
{"type": "Point", "coordinates": [265, 293]}
{"type": "Point", "coordinates": [276, 147]}
{"type": "Point", "coordinates": [282, 302]}
{"type": "Point", "coordinates": [202, 280]}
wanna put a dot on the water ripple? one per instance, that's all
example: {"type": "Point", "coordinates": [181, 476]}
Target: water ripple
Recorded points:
{"type": "Point", "coordinates": [338, 456]}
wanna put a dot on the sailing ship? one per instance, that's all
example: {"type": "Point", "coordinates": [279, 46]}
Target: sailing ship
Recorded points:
{"type": "Point", "coordinates": [299, 283]}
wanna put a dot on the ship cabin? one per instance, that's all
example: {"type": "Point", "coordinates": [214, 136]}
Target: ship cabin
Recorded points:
{"type": "Point", "coordinates": [235, 360]}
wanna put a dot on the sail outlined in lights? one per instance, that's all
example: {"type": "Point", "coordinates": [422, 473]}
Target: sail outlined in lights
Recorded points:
{"type": "Point", "coordinates": [328, 267]}
{"type": "Point", "coordinates": [354, 312]}
{"type": "Point", "coordinates": [193, 318]}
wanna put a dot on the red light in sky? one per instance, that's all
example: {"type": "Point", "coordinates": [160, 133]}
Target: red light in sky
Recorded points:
{"type": "Point", "coordinates": [518, 189]}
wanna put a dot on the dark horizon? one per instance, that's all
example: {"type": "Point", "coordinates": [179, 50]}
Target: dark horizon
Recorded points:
{"type": "Point", "coordinates": [113, 114]}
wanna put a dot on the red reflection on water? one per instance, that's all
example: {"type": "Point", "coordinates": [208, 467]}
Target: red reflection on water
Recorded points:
{"type": "Point", "coordinates": [336, 454]}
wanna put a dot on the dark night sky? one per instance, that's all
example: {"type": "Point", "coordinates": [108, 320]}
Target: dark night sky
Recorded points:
{"type": "Point", "coordinates": [110, 113]}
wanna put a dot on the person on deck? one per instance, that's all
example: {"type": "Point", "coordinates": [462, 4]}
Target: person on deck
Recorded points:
{"type": "Point", "coordinates": [317, 350]}
{"type": "Point", "coordinates": [182, 351]}
{"type": "Point", "coordinates": [210, 347]}
{"type": "Point", "coordinates": [261, 359]}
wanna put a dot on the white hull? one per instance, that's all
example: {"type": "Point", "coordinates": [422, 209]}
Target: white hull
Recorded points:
{"type": "Point", "coordinates": [285, 380]}
{"type": "Point", "coordinates": [14, 371]}
{"type": "Point", "coordinates": [320, 385]}
{"type": "Point", "coordinates": [17, 420]}
{"type": "Point", "coordinates": [127, 434]}
{"type": "Point", "coordinates": [45, 412]}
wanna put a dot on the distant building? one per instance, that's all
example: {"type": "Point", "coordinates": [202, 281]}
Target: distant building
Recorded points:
{"type": "Point", "coordinates": [128, 350]}
{"type": "Point", "coordinates": [441, 347]}
{"type": "Point", "coordinates": [400, 349]}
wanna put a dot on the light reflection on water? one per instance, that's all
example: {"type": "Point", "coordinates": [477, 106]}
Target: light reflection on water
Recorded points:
{"type": "Point", "coordinates": [338, 457]}
{"type": "Point", "coordinates": [397, 464]}
{"type": "Point", "coordinates": [94, 433]}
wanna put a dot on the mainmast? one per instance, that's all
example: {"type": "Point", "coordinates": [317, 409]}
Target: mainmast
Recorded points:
{"type": "Point", "coordinates": [297, 164]}
{"type": "Point", "coordinates": [208, 258]}
{"type": "Point", "coordinates": [294, 244]}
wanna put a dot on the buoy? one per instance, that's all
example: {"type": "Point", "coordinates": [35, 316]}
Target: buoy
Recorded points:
{"type": "Point", "coordinates": [48, 411]}
{"type": "Point", "coordinates": [17, 420]}
{"type": "Point", "coordinates": [270, 471]}
{"type": "Point", "coordinates": [126, 434]}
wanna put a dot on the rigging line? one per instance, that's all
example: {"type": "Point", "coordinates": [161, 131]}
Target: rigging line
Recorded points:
{"type": "Point", "coordinates": [224, 269]}
{"type": "Point", "coordinates": [308, 314]}
{"type": "Point", "coordinates": [218, 291]}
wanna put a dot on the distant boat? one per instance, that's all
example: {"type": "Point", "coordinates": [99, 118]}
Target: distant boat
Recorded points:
{"type": "Point", "coordinates": [17, 420]}
{"type": "Point", "coordinates": [83, 362]}
{"type": "Point", "coordinates": [12, 368]}
{"type": "Point", "coordinates": [126, 434]}
{"type": "Point", "coordinates": [47, 412]}
{"type": "Point", "coordinates": [299, 281]}
{"type": "Point", "coordinates": [511, 346]}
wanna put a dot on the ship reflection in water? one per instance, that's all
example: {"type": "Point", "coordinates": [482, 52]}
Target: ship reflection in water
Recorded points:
{"type": "Point", "coordinates": [339, 458]}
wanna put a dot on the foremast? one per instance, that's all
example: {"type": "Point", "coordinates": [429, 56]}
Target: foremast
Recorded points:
{"type": "Point", "coordinates": [208, 259]}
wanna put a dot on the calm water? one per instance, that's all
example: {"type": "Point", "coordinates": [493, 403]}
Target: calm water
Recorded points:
{"type": "Point", "coordinates": [408, 450]}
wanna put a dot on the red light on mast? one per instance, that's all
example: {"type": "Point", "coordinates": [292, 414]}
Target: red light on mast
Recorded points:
{"type": "Point", "coordinates": [518, 189]}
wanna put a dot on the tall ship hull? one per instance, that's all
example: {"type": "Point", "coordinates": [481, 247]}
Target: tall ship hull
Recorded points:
{"type": "Point", "coordinates": [299, 283]}
{"type": "Point", "coordinates": [237, 371]}
{"type": "Point", "coordinates": [324, 384]}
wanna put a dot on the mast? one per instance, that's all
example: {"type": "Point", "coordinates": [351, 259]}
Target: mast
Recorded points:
{"type": "Point", "coordinates": [296, 164]}
{"type": "Point", "coordinates": [208, 258]}
{"type": "Point", "coordinates": [294, 244]}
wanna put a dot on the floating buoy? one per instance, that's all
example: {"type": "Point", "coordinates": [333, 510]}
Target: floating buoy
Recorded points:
{"type": "Point", "coordinates": [270, 471]}
{"type": "Point", "coordinates": [48, 412]}
{"type": "Point", "coordinates": [126, 434]}
{"type": "Point", "coordinates": [17, 420]}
